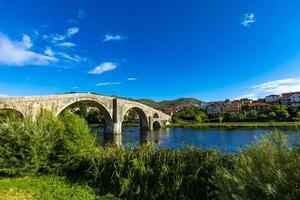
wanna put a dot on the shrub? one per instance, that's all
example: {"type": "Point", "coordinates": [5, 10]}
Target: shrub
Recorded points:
{"type": "Point", "coordinates": [49, 144]}
{"type": "Point", "coordinates": [266, 170]}
{"type": "Point", "coordinates": [25, 146]}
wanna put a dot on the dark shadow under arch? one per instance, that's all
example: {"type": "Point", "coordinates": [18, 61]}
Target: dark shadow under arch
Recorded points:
{"type": "Point", "coordinates": [155, 116]}
{"type": "Point", "coordinates": [156, 125]}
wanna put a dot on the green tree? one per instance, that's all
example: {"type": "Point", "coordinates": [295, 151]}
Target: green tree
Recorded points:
{"type": "Point", "coordinates": [200, 117]}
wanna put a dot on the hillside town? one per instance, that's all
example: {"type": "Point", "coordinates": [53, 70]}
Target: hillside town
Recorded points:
{"type": "Point", "coordinates": [238, 106]}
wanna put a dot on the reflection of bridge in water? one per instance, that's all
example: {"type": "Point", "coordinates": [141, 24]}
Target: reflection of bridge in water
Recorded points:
{"type": "Point", "coordinates": [113, 110]}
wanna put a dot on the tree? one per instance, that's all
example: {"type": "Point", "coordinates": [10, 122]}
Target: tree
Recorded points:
{"type": "Point", "coordinates": [282, 115]}
{"type": "Point", "coordinates": [200, 117]}
{"type": "Point", "coordinates": [272, 115]}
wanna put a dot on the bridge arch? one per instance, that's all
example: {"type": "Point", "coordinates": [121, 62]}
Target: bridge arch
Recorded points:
{"type": "Point", "coordinates": [108, 122]}
{"type": "Point", "coordinates": [142, 116]}
{"type": "Point", "coordinates": [156, 125]}
{"type": "Point", "coordinates": [12, 112]}
{"type": "Point", "coordinates": [155, 116]}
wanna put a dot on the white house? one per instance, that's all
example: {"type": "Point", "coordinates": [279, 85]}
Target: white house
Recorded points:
{"type": "Point", "coordinates": [272, 98]}
{"type": "Point", "coordinates": [292, 98]}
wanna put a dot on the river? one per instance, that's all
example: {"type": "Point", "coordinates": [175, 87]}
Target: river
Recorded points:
{"type": "Point", "coordinates": [226, 140]}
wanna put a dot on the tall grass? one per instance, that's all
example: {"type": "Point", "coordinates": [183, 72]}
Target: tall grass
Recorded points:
{"type": "Point", "coordinates": [64, 146]}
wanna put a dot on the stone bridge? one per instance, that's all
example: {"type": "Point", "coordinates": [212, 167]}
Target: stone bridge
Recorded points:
{"type": "Point", "coordinates": [113, 109]}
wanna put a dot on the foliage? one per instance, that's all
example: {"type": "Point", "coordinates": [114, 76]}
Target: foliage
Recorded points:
{"type": "Point", "coordinates": [10, 115]}
{"type": "Point", "coordinates": [191, 114]}
{"type": "Point", "coordinates": [266, 170]}
{"type": "Point", "coordinates": [48, 144]}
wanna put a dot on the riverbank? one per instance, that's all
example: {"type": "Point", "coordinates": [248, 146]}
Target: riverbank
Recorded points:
{"type": "Point", "coordinates": [294, 125]}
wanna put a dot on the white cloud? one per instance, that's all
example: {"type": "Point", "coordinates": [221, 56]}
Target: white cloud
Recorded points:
{"type": "Point", "coordinates": [274, 87]}
{"type": "Point", "coordinates": [48, 51]}
{"type": "Point", "coordinates": [68, 57]}
{"type": "Point", "coordinates": [66, 44]}
{"type": "Point", "coordinates": [17, 53]}
{"type": "Point", "coordinates": [104, 67]}
{"type": "Point", "coordinates": [54, 37]}
{"type": "Point", "coordinates": [108, 83]}
{"type": "Point", "coordinates": [131, 79]}
{"type": "Point", "coordinates": [109, 37]}
{"type": "Point", "coordinates": [72, 31]}
{"type": "Point", "coordinates": [249, 18]}
{"type": "Point", "coordinates": [26, 40]}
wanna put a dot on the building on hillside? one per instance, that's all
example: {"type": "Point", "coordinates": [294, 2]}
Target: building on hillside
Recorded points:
{"type": "Point", "coordinates": [291, 98]}
{"type": "Point", "coordinates": [258, 106]}
{"type": "Point", "coordinates": [233, 106]}
{"type": "Point", "coordinates": [215, 107]}
{"type": "Point", "coordinates": [246, 101]}
{"type": "Point", "coordinates": [273, 98]}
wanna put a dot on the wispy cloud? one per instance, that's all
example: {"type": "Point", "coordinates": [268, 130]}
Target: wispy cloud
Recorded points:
{"type": "Point", "coordinates": [131, 79]}
{"type": "Point", "coordinates": [274, 87]}
{"type": "Point", "coordinates": [17, 53]}
{"type": "Point", "coordinates": [55, 37]}
{"type": "Point", "coordinates": [26, 40]}
{"type": "Point", "coordinates": [108, 83]}
{"type": "Point", "coordinates": [72, 31]}
{"type": "Point", "coordinates": [66, 56]}
{"type": "Point", "coordinates": [104, 67]}
{"type": "Point", "coordinates": [249, 18]}
{"type": "Point", "coordinates": [48, 51]}
{"type": "Point", "coordinates": [110, 37]}
{"type": "Point", "coordinates": [3, 95]}
{"type": "Point", "coordinates": [65, 44]}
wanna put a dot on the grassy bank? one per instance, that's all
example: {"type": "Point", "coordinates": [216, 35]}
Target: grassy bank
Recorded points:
{"type": "Point", "coordinates": [46, 188]}
{"type": "Point", "coordinates": [236, 125]}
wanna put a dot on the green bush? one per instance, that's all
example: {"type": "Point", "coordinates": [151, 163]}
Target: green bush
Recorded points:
{"type": "Point", "coordinates": [25, 146]}
{"type": "Point", "coordinates": [266, 170]}
{"type": "Point", "coordinates": [49, 144]}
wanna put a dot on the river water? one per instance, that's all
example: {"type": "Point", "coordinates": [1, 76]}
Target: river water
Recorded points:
{"type": "Point", "coordinates": [226, 140]}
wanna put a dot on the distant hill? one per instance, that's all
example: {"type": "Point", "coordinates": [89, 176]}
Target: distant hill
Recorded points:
{"type": "Point", "coordinates": [181, 101]}
{"type": "Point", "coordinates": [171, 103]}
{"type": "Point", "coordinates": [166, 103]}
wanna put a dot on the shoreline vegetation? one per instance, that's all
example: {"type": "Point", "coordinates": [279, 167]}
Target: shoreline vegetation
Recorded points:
{"type": "Point", "coordinates": [58, 157]}
{"type": "Point", "coordinates": [280, 125]}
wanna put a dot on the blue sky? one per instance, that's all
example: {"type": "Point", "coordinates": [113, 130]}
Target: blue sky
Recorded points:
{"type": "Point", "coordinates": [210, 50]}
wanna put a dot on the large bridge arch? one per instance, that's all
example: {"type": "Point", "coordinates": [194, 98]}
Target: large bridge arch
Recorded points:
{"type": "Point", "coordinates": [108, 126]}
{"type": "Point", "coordinates": [142, 116]}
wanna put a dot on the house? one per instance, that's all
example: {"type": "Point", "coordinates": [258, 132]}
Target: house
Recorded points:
{"type": "Point", "coordinates": [246, 101]}
{"type": "Point", "coordinates": [258, 106]}
{"type": "Point", "coordinates": [215, 107]}
{"type": "Point", "coordinates": [273, 98]}
{"type": "Point", "coordinates": [291, 98]}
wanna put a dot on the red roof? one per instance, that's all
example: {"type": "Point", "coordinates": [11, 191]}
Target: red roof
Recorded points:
{"type": "Point", "coordinates": [288, 94]}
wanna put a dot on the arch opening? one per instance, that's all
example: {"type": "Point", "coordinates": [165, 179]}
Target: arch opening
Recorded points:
{"type": "Point", "coordinates": [135, 116]}
{"type": "Point", "coordinates": [8, 114]}
{"type": "Point", "coordinates": [96, 115]}
{"type": "Point", "coordinates": [155, 116]}
{"type": "Point", "coordinates": [156, 125]}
